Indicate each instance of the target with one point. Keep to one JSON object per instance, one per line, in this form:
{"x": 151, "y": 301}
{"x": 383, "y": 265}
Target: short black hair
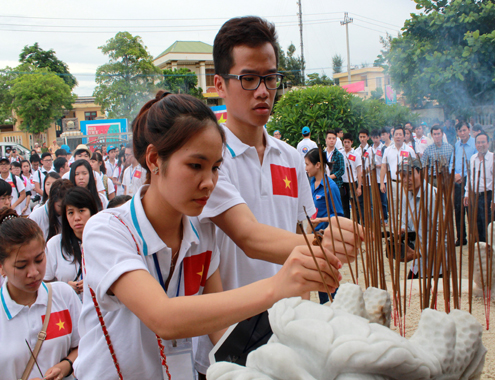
{"x": 375, "y": 133}
{"x": 436, "y": 127}
{"x": 60, "y": 153}
{"x": 16, "y": 164}
{"x": 34, "y": 158}
{"x": 400, "y": 127}
{"x": 79, "y": 151}
{"x": 477, "y": 127}
{"x": 59, "y": 163}
{"x": 332, "y": 131}
{"x": 461, "y": 124}
{"x": 249, "y": 31}
{"x": 348, "y": 136}
{"x": 46, "y": 154}
{"x": 385, "y": 130}
{"x": 364, "y": 131}
{"x": 483, "y": 133}
{"x": 5, "y": 188}
{"x": 338, "y": 130}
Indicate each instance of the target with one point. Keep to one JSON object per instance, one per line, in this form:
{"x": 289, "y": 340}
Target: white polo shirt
{"x": 19, "y": 323}
{"x": 110, "y": 167}
{"x": 39, "y": 176}
{"x": 135, "y": 345}
{"x": 20, "y": 188}
{"x": 352, "y": 161}
{"x": 134, "y": 178}
{"x": 28, "y": 186}
{"x": 40, "y": 216}
{"x": 274, "y": 191}
{"x": 394, "y": 156}
{"x": 421, "y": 144}
{"x": 305, "y": 145}
{"x": 478, "y": 169}
{"x": 57, "y": 266}
{"x": 377, "y": 156}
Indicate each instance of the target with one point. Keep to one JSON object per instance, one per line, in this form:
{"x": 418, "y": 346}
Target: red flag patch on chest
{"x": 379, "y": 153}
{"x": 137, "y": 174}
{"x": 196, "y": 272}
{"x": 60, "y": 324}
{"x": 351, "y": 157}
{"x": 284, "y": 181}
{"x": 404, "y": 153}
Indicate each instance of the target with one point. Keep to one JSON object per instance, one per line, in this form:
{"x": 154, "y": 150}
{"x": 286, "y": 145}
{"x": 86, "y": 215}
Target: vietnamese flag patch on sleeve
{"x": 196, "y": 272}
{"x": 404, "y": 153}
{"x": 351, "y": 157}
{"x": 60, "y": 324}
{"x": 284, "y": 181}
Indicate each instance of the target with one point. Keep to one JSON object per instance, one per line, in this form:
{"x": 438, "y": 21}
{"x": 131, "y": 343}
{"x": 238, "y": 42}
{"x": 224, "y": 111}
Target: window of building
{"x": 365, "y": 79}
{"x": 378, "y": 82}
{"x": 210, "y": 73}
{"x": 90, "y": 115}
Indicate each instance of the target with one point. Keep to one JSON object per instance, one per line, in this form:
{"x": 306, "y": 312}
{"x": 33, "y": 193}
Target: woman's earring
{"x": 155, "y": 171}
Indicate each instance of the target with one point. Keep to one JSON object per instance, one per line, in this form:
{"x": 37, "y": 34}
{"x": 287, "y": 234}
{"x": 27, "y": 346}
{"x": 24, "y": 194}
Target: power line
{"x": 375, "y": 30}
{"x": 381, "y": 22}
{"x": 152, "y": 19}
{"x": 381, "y": 26}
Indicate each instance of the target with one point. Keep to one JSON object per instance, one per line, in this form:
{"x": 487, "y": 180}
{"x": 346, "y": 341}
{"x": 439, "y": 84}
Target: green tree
{"x": 325, "y": 107}
{"x": 40, "y": 58}
{"x": 337, "y": 63}
{"x": 7, "y": 75}
{"x": 39, "y": 99}
{"x": 377, "y": 94}
{"x": 446, "y": 54}
{"x": 314, "y": 79}
{"x": 128, "y": 80}
{"x": 181, "y": 81}
{"x": 291, "y": 66}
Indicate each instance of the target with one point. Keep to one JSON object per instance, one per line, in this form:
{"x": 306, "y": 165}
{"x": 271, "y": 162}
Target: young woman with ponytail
{"x": 142, "y": 258}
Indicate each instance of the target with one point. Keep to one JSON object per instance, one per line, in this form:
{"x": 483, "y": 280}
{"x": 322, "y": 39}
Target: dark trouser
{"x": 361, "y": 203}
{"x": 346, "y": 194}
{"x": 458, "y": 199}
{"x": 481, "y": 220}
{"x": 383, "y": 199}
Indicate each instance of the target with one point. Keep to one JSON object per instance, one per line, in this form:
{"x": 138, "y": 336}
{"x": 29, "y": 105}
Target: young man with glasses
{"x": 39, "y": 176}
{"x": 262, "y": 181}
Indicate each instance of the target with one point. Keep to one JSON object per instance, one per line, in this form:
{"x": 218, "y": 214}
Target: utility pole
{"x": 346, "y": 22}
{"x": 301, "y": 33}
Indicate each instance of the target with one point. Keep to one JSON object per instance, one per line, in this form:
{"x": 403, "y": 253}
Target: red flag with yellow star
{"x": 196, "y": 272}
{"x": 284, "y": 180}
{"x": 60, "y": 324}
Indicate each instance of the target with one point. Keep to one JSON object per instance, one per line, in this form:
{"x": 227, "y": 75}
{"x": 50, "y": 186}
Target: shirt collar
{"x": 236, "y": 147}
{"x": 150, "y": 239}
{"x": 12, "y": 308}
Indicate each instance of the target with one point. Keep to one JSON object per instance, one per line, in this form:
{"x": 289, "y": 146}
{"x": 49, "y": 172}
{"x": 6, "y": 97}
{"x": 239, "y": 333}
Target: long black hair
{"x": 45, "y": 194}
{"x": 57, "y": 193}
{"x": 91, "y": 184}
{"x": 78, "y": 197}
{"x": 99, "y": 158}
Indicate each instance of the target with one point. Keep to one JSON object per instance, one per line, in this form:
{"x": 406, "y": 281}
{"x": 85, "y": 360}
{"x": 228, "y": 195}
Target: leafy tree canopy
{"x": 326, "y": 107}
{"x": 40, "y": 58}
{"x": 314, "y": 79}
{"x": 337, "y": 63}
{"x": 127, "y": 81}
{"x": 181, "y": 81}
{"x": 291, "y": 66}
{"x": 39, "y": 99}
{"x": 446, "y": 54}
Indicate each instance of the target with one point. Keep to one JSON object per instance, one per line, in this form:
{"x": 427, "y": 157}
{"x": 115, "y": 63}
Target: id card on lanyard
{"x": 179, "y": 353}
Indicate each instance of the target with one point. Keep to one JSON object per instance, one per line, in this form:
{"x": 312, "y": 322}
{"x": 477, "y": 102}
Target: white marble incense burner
{"x": 350, "y": 340}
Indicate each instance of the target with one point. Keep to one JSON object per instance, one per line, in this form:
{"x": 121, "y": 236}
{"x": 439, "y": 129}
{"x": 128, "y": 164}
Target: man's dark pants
{"x": 458, "y": 199}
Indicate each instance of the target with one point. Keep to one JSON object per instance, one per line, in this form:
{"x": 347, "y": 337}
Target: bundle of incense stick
{"x": 430, "y": 213}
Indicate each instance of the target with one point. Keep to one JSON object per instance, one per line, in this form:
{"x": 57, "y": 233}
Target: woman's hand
{"x": 77, "y": 286}
{"x": 300, "y": 274}
{"x": 57, "y": 372}
{"x": 349, "y": 238}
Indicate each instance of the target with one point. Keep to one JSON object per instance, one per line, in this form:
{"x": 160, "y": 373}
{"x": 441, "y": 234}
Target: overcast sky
{"x": 74, "y": 30}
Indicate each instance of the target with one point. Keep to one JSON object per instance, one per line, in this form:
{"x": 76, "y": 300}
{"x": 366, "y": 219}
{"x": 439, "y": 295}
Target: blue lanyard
{"x": 132, "y": 172}
{"x": 145, "y": 250}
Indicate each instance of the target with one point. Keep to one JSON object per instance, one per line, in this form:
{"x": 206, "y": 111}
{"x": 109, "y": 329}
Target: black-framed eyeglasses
{"x": 251, "y": 82}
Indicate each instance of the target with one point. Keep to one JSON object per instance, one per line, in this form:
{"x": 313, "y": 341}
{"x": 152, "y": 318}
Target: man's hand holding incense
{"x": 343, "y": 242}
